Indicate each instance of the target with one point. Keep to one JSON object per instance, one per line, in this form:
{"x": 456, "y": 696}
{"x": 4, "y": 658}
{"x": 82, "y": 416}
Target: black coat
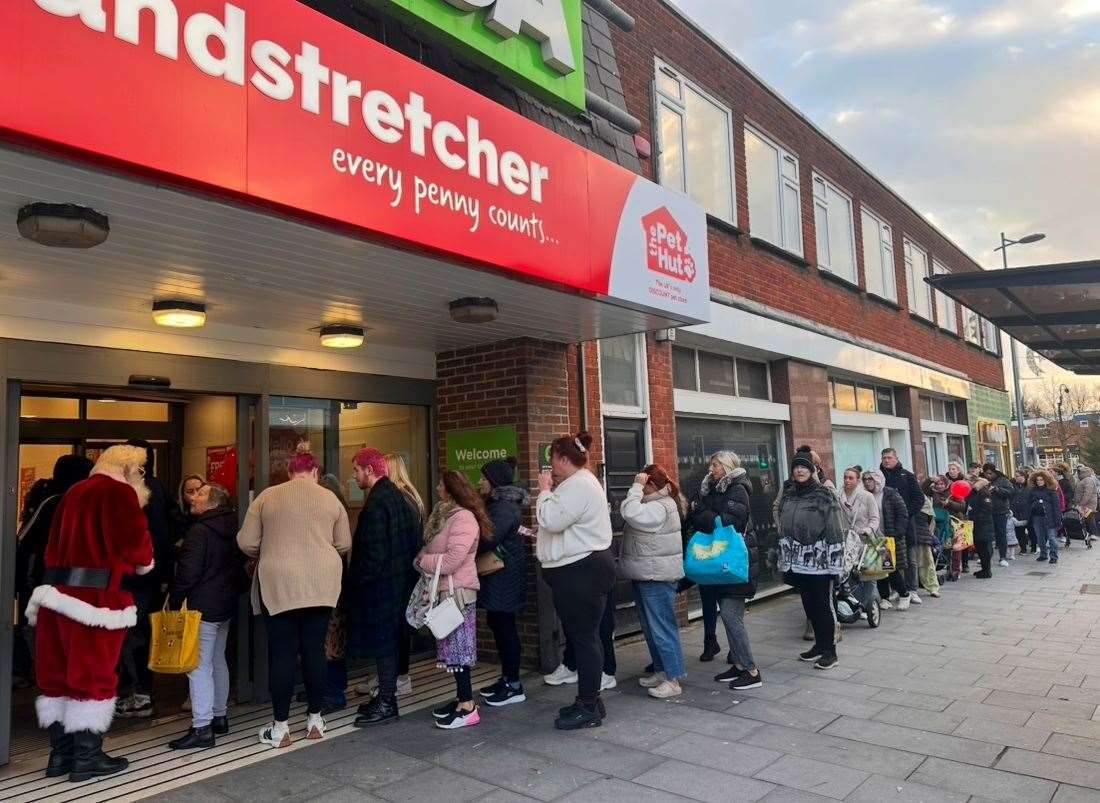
{"x": 905, "y": 483}
{"x": 381, "y": 574}
{"x": 1019, "y": 504}
{"x": 503, "y": 590}
{"x": 1002, "y": 491}
{"x": 210, "y": 567}
{"x": 980, "y": 510}
{"x": 30, "y": 554}
{"x": 733, "y": 507}
{"x": 1043, "y": 503}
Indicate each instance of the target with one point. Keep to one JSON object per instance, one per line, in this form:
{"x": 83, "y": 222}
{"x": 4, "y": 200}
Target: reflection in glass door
{"x": 293, "y": 421}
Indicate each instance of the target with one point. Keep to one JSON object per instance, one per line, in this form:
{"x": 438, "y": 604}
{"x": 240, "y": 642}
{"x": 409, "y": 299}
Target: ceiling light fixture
{"x": 342, "y": 336}
{"x": 63, "y": 225}
{"x": 179, "y": 314}
{"x": 474, "y": 310}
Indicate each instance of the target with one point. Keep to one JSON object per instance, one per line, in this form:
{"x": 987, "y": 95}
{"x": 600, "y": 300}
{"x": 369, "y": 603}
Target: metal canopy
{"x": 1052, "y": 309}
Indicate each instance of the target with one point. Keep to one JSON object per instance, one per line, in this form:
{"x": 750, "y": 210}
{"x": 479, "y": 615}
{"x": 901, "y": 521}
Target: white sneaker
{"x": 903, "y": 604}
{"x": 651, "y": 681}
{"x": 560, "y": 676}
{"x": 885, "y": 604}
{"x": 315, "y": 727}
{"x": 607, "y": 682}
{"x": 276, "y": 734}
{"x": 894, "y": 596}
{"x": 368, "y": 689}
{"x": 914, "y": 597}
{"x": 1004, "y": 563}
{"x": 404, "y": 686}
{"x": 668, "y": 688}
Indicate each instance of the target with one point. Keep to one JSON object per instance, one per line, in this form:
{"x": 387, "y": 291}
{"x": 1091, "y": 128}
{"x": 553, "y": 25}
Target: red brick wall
{"x": 739, "y": 267}
{"x": 805, "y": 388}
{"x": 662, "y": 418}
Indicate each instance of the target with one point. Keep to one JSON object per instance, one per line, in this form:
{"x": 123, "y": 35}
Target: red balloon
{"x": 960, "y": 489}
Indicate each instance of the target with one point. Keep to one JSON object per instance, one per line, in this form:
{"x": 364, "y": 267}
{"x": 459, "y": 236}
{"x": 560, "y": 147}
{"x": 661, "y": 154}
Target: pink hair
{"x": 373, "y": 459}
{"x": 303, "y": 461}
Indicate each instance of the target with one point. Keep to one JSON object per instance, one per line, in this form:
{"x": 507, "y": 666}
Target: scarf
{"x": 438, "y": 520}
{"x": 722, "y": 485}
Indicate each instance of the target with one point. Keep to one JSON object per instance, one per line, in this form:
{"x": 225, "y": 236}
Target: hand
{"x": 529, "y": 532}
{"x": 641, "y": 478}
{"x": 546, "y": 481}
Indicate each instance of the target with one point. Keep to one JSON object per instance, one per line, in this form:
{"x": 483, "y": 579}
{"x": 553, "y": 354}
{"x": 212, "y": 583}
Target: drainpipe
{"x": 582, "y": 386}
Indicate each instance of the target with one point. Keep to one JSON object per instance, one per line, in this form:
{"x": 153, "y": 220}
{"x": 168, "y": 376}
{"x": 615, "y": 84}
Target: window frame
{"x": 988, "y": 328}
{"x": 968, "y": 313}
{"x": 783, "y": 182}
{"x": 679, "y": 107}
{"x": 886, "y": 254}
{"x": 641, "y": 374}
{"x": 914, "y": 284}
{"x": 944, "y": 304}
{"x": 736, "y": 379}
{"x": 816, "y": 177}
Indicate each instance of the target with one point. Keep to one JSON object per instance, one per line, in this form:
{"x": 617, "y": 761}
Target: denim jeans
{"x": 657, "y": 616}
{"x": 732, "y": 611}
{"x": 209, "y": 681}
{"x": 1047, "y": 537}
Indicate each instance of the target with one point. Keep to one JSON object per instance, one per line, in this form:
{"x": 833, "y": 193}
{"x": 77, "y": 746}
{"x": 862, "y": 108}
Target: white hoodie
{"x": 573, "y": 521}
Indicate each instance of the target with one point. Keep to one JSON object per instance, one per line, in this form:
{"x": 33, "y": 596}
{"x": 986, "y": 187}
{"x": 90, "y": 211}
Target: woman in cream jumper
{"x": 574, "y": 548}
{"x": 297, "y": 531}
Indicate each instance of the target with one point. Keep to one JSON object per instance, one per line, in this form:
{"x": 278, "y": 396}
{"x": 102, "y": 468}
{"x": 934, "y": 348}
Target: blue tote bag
{"x": 717, "y": 558}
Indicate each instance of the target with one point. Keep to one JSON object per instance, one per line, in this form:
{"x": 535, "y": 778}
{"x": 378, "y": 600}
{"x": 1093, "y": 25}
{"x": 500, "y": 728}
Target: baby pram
{"x": 1075, "y": 528}
{"x": 854, "y": 599}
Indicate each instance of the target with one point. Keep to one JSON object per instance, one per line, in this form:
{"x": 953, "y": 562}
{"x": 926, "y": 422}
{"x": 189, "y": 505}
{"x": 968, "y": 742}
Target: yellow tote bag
{"x": 174, "y": 648}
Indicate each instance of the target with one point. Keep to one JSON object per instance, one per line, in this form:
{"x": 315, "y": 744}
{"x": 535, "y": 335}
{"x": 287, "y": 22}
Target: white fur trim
{"x": 78, "y": 610}
{"x": 50, "y": 710}
{"x": 146, "y": 569}
{"x": 89, "y": 715}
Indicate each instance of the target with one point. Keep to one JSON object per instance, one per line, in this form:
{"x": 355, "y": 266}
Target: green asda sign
{"x": 534, "y": 43}
{"x": 469, "y": 449}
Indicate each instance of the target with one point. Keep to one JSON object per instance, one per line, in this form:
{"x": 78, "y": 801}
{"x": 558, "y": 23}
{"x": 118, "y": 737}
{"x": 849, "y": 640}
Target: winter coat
{"x": 453, "y": 551}
{"x": 1084, "y": 495}
{"x": 1042, "y": 503}
{"x": 980, "y": 511}
{"x": 1002, "y": 491}
{"x": 30, "y": 554}
{"x": 210, "y": 567}
{"x": 1066, "y": 489}
{"x": 811, "y": 534}
{"x": 574, "y": 521}
{"x": 381, "y": 573}
{"x": 1019, "y": 504}
{"x": 652, "y": 547}
{"x": 926, "y": 528}
{"x": 894, "y": 520}
{"x": 502, "y": 591}
{"x": 905, "y": 483}
{"x": 860, "y": 512}
{"x": 729, "y": 501}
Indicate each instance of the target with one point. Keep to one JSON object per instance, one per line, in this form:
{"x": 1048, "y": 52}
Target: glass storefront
{"x": 757, "y": 446}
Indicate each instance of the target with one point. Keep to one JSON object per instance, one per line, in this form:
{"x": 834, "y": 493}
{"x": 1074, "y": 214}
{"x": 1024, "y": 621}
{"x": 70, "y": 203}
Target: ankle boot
{"x": 61, "y": 752}
{"x": 89, "y": 760}
{"x": 194, "y": 738}
{"x": 710, "y": 648}
{"x": 220, "y": 726}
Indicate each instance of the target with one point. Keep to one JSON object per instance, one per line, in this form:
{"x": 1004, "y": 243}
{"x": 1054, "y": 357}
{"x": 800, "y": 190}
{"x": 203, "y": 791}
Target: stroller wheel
{"x": 874, "y": 615}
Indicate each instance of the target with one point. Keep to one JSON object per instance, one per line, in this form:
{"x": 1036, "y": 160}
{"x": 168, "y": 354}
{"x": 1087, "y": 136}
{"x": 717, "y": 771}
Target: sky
{"x": 983, "y": 114}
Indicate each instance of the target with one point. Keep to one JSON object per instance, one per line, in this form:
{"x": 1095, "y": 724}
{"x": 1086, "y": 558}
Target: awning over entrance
{"x": 1052, "y": 309}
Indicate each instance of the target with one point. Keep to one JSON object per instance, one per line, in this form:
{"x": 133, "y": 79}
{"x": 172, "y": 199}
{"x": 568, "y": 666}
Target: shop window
{"x": 945, "y": 306}
{"x": 844, "y": 396}
{"x": 916, "y": 271}
{"x": 926, "y": 408}
{"x": 865, "y": 399}
{"x": 684, "y": 373}
{"x": 951, "y": 415}
{"x": 695, "y": 143}
{"x": 972, "y": 326}
{"x": 884, "y": 398}
{"x": 775, "y": 198}
{"x": 835, "y": 230}
{"x": 49, "y": 407}
{"x": 620, "y": 368}
{"x": 956, "y": 449}
{"x": 855, "y": 397}
{"x": 112, "y": 410}
{"x": 878, "y": 256}
{"x": 752, "y": 380}
{"x": 716, "y": 374}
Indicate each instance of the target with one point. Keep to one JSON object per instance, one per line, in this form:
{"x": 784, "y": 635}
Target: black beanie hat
{"x": 803, "y": 459}
{"x": 500, "y": 472}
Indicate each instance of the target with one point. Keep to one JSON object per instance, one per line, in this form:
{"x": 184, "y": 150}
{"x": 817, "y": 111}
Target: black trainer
{"x": 508, "y": 694}
{"x": 445, "y": 710}
{"x": 377, "y": 712}
{"x": 811, "y": 654}
{"x": 489, "y": 691}
{"x": 746, "y": 680}
{"x": 578, "y": 716}
{"x": 826, "y": 662}
{"x": 599, "y": 705}
{"x": 730, "y": 674}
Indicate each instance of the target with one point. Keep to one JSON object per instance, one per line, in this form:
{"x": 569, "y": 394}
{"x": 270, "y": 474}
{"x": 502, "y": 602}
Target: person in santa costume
{"x": 99, "y": 536}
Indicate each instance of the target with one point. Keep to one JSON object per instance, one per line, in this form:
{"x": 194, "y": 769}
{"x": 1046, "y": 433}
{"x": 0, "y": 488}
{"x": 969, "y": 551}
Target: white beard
{"x": 141, "y": 489}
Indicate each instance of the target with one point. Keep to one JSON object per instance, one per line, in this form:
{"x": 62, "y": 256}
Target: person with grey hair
{"x": 209, "y": 579}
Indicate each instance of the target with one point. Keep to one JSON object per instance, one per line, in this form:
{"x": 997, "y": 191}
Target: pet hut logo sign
{"x": 271, "y": 102}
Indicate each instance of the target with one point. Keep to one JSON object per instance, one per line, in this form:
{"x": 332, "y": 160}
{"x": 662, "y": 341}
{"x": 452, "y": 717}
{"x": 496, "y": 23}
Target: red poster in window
{"x": 221, "y": 467}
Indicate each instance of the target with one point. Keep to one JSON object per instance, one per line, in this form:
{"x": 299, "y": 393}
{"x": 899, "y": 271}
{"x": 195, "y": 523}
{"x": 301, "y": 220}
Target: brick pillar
{"x": 805, "y": 388}
{"x": 662, "y": 416}
{"x": 522, "y": 383}
{"x": 908, "y": 407}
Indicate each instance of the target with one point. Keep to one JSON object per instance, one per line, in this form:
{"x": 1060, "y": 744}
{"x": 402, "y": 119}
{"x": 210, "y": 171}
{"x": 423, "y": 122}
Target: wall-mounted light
{"x": 179, "y": 314}
{"x": 342, "y": 336}
{"x": 63, "y": 225}
{"x": 474, "y": 310}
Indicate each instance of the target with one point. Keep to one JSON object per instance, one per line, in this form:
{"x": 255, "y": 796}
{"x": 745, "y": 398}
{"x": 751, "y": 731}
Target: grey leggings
{"x": 732, "y": 611}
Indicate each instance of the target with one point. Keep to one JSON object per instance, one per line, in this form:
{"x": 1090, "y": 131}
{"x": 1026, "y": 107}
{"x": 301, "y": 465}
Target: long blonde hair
{"x": 399, "y": 475}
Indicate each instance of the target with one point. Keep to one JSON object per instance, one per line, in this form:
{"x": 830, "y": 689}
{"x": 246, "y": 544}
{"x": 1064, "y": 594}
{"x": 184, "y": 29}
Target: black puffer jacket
{"x": 210, "y": 567}
{"x": 980, "y": 511}
{"x": 733, "y": 506}
{"x": 502, "y": 591}
{"x": 905, "y": 483}
{"x": 1019, "y": 505}
{"x": 1002, "y": 491}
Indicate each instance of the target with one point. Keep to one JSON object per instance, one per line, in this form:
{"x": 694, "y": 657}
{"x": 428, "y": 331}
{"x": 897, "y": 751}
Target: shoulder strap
{"x": 26, "y": 528}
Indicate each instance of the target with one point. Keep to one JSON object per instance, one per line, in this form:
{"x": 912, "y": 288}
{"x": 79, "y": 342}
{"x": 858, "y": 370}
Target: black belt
{"x": 77, "y": 578}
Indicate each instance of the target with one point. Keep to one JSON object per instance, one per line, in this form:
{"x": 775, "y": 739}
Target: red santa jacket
{"x": 98, "y": 525}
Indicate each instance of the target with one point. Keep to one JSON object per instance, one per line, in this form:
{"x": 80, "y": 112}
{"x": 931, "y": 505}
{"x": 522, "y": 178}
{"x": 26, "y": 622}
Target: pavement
{"x": 989, "y": 693}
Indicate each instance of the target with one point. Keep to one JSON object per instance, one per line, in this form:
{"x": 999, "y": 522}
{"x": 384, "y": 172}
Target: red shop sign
{"x": 271, "y": 101}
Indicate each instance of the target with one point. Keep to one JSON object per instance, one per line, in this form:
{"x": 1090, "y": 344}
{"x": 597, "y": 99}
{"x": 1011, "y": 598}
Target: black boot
{"x": 579, "y": 715}
{"x": 194, "y": 738}
{"x": 377, "y": 712}
{"x": 89, "y": 760}
{"x": 61, "y": 752}
{"x": 577, "y": 701}
{"x": 220, "y": 725}
{"x": 710, "y": 648}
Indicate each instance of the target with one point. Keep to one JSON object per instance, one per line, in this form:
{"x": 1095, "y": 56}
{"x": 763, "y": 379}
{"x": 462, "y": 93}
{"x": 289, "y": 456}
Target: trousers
{"x": 656, "y": 603}
{"x": 294, "y": 636}
{"x": 506, "y": 636}
{"x": 816, "y": 591}
{"x": 209, "y": 681}
{"x": 607, "y": 642}
{"x": 582, "y": 593}
{"x": 732, "y": 611}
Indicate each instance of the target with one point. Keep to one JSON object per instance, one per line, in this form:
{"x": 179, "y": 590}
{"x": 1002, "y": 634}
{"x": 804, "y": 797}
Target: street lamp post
{"x": 1006, "y": 243}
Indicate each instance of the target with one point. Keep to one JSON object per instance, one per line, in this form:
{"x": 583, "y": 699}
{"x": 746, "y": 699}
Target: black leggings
{"x": 506, "y": 636}
{"x": 1000, "y": 535}
{"x": 816, "y": 591}
{"x": 464, "y": 690}
{"x": 1023, "y": 536}
{"x": 985, "y": 554}
{"x": 895, "y": 581}
{"x": 294, "y": 635}
{"x": 607, "y": 641}
{"x": 581, "y": 592}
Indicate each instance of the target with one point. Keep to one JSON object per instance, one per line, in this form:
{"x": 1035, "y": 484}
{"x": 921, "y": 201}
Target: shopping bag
{"x": 174, "y": 645}
{"x": 879, "y": 558}
{"x": 443, "y": 618}
{"x": 488, "y": 563}
{"x": 717, "y": 558}
{"x": 964, "y": 534}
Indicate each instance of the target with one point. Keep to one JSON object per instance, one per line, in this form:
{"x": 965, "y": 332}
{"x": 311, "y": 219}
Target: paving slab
{"x": 1074, "y": 794}
{"x": 1056, "y": 768}
{"x": 706, "y": 751}
{"x": 1061, "y": 744}
{"x": 703, "y": 783}
{"x": 836, "y": 750}
{"x": 271, "y": 780}
{"x": 916, "y": 741}
{"x": 1002, "y": 733}
{"x": 989, "y": 784}
{"x": 781, "y": 714}
{"x": 929, "y": 702}
{"x": 832, "y": 703}
{"x": 604, "y": 757}
{"x": 519, "y": 771}
{"x": 818, "y": 777}
{"x": 996, "y": 713}
{"x": 937, "y": 721}
{"x": 1048, "y": 705}
{"x": 880, "y": 789}
{"x": 611, "y": 790}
